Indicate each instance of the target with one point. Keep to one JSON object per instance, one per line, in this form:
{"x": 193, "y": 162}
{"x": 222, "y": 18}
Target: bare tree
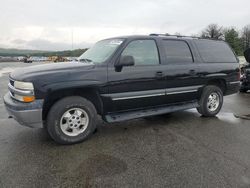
{"x": 213, "y": 31}
{"x": 246, "y": 37}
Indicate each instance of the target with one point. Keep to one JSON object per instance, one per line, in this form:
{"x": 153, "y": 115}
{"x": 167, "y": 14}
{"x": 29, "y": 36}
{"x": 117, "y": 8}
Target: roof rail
{"x": 177, "y": 36}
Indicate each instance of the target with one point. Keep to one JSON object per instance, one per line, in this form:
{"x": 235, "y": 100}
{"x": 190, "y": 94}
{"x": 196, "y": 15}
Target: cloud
{"x": 41, "y": 44}
{"x": 18, "y": 41}
{"x": 54, "y": 21}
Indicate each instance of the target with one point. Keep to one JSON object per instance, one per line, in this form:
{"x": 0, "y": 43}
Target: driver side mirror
{"x": 125, "y": 61}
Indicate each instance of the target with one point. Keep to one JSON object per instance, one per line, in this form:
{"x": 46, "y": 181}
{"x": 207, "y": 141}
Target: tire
{"x": 211, "y": 101}
{"x": 71, "y": 120}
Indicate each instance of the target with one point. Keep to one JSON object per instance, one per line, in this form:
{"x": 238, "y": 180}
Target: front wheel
{"x": 71, "y": 120}
{"x": 211, "y": 101}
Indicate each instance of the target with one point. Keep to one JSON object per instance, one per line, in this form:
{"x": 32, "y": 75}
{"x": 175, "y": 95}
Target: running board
{"x": 123, "y": 116}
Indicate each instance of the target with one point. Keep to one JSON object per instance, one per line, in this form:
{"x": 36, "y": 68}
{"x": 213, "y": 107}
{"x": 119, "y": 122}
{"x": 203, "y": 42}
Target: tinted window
{"x": 144, "y": 52}
{"x": 215, "y": 51}
{"x": 177, "y": 51}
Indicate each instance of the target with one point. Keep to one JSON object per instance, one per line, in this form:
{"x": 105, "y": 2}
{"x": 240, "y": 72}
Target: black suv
{"x": 245, "y": 79}
{"x": 121, "y": 79}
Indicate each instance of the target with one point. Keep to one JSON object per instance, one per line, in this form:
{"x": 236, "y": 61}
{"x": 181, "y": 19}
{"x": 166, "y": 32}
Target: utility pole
{"x": 72, "y": 39}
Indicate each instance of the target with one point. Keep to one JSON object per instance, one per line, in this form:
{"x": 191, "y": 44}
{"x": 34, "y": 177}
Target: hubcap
{"x": 213, "y": 102}
{"x": 74, "y": 122}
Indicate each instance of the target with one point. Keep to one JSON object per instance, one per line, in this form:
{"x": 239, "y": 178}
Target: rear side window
{"x": 177, "y": 51}
{"x": 215, "y": 51}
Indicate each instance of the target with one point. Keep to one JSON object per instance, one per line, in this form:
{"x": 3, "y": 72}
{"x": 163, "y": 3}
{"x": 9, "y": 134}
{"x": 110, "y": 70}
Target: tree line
{"x": 66, "y": 53}
{"x": 238, "y": 39}
{"x": 16, "y": 52}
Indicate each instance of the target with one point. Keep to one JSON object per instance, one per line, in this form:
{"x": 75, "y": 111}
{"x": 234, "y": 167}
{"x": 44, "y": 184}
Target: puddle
{"x": 247, "y": 117}
{"x": 223, "y": 116}
{"x": 232, "y": 118}
{"x": 245, "y": 180}
{"x": 228, "y": 117}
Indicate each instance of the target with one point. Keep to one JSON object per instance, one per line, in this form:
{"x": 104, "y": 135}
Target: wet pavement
{"x": 181, "y": 149}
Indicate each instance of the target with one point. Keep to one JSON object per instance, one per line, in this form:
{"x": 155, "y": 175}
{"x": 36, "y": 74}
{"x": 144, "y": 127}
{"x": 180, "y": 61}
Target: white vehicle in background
{"x": 27, "y": 59}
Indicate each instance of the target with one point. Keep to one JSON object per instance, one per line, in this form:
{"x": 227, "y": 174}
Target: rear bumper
{"x": 245, "y": 84}
{"x": 27, "y": 114}
{"x": 232, "y": 87}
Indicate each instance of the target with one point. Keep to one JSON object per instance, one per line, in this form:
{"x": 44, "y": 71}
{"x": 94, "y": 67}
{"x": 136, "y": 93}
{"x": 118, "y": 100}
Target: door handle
{"x": 159, "y": 74}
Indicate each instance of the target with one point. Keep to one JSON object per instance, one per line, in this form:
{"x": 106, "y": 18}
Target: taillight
{"x": 238, "y": 75}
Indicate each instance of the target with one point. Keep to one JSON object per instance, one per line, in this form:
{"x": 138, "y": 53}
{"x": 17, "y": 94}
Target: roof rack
{"x": 177, "y": 36}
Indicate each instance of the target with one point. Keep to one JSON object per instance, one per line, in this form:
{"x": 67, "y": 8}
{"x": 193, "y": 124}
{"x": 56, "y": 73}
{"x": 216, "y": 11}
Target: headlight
{"x": 23, "y": 85}
{"x": 22, "y": 91}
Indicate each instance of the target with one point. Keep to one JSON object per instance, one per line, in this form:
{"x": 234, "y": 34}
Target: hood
{"x": 23, "y": 74}
{"x": 247, "y": 55}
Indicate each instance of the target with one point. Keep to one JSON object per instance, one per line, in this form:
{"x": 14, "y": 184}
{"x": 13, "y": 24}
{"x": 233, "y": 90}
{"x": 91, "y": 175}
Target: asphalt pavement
{"x": 181, "y": 149}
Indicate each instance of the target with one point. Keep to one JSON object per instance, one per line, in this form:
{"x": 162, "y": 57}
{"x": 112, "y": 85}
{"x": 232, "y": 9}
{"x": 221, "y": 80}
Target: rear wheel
{"x": 211, "y": 101}
{"x": 71, "y": 120}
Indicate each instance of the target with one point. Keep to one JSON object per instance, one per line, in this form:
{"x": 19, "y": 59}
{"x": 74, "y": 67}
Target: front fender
{"x": 72, "y": 85}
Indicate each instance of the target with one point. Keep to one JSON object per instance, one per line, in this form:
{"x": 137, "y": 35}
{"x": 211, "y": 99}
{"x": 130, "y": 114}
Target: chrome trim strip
{"x": 135, "y": 94}
{"x": 152, "y": 93}
{"x": 11, "y": 79}
{"x": 19, "y": 92}
{"x": 136, "y": 97}
{"x": 180, "y": 89}
{"x": 11, "y": 95}
{"x": 237, "y": 82}
{"x": 180, "y": 92}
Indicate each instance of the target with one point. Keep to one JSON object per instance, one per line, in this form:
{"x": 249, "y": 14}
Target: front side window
{"x": 144, "y": 52}
{"x": 101, "y": 51}
{"x": 177, "y": 51}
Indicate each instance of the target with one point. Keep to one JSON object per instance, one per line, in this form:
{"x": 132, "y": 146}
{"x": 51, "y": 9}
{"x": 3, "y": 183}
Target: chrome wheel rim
{"x": 213, "y": 102}
{"x": 74, "y": 122}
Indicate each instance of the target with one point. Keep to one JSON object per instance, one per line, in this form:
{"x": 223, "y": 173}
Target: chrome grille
{"x": 12, "y": 82}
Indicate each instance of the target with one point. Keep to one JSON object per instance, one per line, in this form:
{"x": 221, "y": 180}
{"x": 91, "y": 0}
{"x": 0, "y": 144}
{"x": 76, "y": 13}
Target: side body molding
{"x": 152, "y": 93}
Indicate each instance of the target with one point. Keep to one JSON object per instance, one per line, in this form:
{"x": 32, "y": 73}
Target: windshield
{"x": 101, "y": 51}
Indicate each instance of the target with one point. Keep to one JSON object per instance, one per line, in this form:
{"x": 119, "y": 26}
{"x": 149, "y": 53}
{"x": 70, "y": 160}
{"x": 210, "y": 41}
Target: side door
{"x": 181, "y": 70}
{"x": 138, "y": 86}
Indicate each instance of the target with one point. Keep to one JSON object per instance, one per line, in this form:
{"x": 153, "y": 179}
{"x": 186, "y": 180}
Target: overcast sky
{"x": 49, "y": 24}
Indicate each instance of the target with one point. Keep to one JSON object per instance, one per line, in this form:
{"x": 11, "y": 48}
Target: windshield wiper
{"x": 85, "y": 60}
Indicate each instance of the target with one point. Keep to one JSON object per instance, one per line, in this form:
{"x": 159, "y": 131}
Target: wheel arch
{"x": 219, "y": 82}
{"x": 89, "y": 93}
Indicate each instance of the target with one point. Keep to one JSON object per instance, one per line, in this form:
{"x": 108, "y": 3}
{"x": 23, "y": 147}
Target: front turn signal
{"x": 28, "y": 98}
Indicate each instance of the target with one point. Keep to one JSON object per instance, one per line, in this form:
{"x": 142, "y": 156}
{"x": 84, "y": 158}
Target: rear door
{"x": 138, "y": 86}
{"x": 181, "y": 71}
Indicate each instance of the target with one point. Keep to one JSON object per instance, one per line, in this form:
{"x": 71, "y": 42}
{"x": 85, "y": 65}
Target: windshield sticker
{"x": 115, "y": 42}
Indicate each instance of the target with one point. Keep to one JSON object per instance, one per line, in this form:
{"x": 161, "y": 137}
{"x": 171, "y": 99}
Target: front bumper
{"x": 27, "y": 114}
